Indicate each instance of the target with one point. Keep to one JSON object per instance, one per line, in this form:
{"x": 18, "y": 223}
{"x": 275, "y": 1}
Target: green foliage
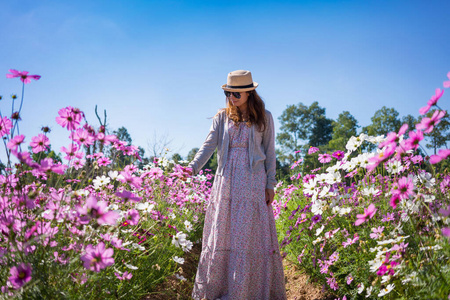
{"x": 384, "y": 121}
{"x": 343, "y": 129}
{"x": 301, "y": 125}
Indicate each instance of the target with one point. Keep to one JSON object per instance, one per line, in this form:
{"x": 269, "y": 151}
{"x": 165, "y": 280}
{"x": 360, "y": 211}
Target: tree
{"x": 384, "y": 121}
{"x": 212, "y": 162}
{"x": 117, "y": 156}
{"x": 176, "y": 157}
{"x": 301, "y": 126}
{"x": 440, "y": 135}
{"x": 158, "y": 144}
{"x": 411, "y": 121}
{"x": 343, "y": 129}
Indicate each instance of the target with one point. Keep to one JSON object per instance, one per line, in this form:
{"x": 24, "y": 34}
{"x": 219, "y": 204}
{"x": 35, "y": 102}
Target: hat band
{"x": 240, "y": 86}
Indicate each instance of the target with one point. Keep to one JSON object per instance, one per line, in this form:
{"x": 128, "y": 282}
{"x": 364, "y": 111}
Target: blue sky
{"x": 157, "y": 66}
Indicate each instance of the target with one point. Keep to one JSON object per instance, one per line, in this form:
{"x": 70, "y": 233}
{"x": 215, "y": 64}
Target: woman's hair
{"x": 256, "y": 111}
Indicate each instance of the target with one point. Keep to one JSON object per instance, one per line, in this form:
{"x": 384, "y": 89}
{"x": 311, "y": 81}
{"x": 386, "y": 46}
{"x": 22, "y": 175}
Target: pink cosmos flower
{"x": 77, "y": 164}
{"x": 127, "y": 177}
{"x": 126, "y": 195}
{"x": 106, "y": 139}
{"x": 5, "y": 126}
{"x": 69, "y": 117}
{"x": 312, "y": 150}
{"x": 442, "y": 154}
{"x": 24, "y": 77}
{"x": 376, "y": 232}
{"x": 350, "y": 241}
{"x": 414, "y": 138}
{"x": 338, "y": 154}
{"x": 325, "y": 158}
{"x": 103, "y": 161}
{"x": 395, "y": 199}
{"x": 349, "y": 278}
{"x": 434, "y": 99}
{"x": 381, "y": 157}
{"x": 132, "y": 217}
{"x": 296, "y": 163}
{"x": 368, "y": 214}
{"x": 332, "y": 283}
{"x": 82, "y": 137}
{"x": 427, "y": 124}
{"x": 97, "y": 258}
{"x": 98, "y": 210}
{"x": 14, "y": 143}
{"x": 20, "y": 275}
{"x": 403, "y": 188}
{"x": 447, "y": 83}
{"x": 71, "y": 152}
{"x": 446, "y": 232}
{"x": 39, "y": 143}
{"x": 124, "y": 276}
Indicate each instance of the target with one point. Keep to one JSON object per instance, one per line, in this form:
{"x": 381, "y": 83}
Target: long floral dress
{"x": 240, "y": 256}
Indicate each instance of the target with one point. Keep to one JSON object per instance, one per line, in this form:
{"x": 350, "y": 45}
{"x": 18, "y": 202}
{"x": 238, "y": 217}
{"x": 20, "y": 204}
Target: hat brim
{"x": 225, "y": 88}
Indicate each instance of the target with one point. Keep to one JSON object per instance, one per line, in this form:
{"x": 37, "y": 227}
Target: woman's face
{"x": 241, "y": 103}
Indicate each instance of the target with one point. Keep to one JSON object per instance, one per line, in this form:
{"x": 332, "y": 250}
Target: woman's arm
{"x": 269, "y": 149}
{"x": 208, "y": 147}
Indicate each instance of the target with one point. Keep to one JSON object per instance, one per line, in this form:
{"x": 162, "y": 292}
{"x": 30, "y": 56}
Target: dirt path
{"x": 297, "y": 286}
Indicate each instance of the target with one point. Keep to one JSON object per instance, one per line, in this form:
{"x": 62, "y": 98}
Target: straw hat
{"x": 240, "y": 81}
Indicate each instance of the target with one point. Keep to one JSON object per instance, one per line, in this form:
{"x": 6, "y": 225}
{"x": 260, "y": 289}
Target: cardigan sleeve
{"x": 208, "y": 147}
{"x": 269, "y": 149}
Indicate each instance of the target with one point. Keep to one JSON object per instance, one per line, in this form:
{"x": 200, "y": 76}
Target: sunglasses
{"x": 237, "y": 95}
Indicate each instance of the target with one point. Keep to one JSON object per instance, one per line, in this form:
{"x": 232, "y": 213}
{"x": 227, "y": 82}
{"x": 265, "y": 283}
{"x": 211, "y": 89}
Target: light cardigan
{"x": 261, "y": 147}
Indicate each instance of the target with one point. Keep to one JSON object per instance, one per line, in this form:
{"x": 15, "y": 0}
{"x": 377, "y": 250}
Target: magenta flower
{"x": 368, "y": 214}
{"x": 315, "y": 219}
{"x": 434, "y": 99}
{"x": 132, "y": 217}
{"x": 446, "y": 232}
{"x": 24, "y": 77}
{"x": 350, "y": 241}
{"x": 82, "y": 137}
{"x": 427, "y": 124}
{"x": 414, "y": 139}
{"x": 69, "y": 117}
{"x": 5, "y": 126}
{"x": 39, "y": 143}
{"x": 14, "y": 143}
{"x": 338, "y": 154}
{"x": 312, "y": 150}
{"x": 126, "y": 195}
{"x": 376, "y": 232}
{"x": 103, "y": 161}
{"x": 403, "y": 188}
{"x": 447, "y": 83}
{"x": 124, "y": 276}
{"x": 442, "y": 154}
{"x": 325, "y": 158}
{"x": 72, "y": 152}
{"x": 97, "y": 258}
{"x": 20, "y": 275}
{"x": 382, "y": 156}
{"x": 127, "y": 177}
{"x": 98, "y": 210}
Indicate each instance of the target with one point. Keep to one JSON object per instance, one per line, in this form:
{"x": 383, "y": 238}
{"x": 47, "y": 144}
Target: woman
{"x": 240, "y": 256}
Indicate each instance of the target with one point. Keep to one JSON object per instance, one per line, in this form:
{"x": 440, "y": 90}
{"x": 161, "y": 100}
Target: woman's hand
{"x": 270, "y": 194}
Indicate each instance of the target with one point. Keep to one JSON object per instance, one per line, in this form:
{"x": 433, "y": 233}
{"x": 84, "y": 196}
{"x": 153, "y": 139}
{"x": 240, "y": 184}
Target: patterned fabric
{"x": 240, "y": 256}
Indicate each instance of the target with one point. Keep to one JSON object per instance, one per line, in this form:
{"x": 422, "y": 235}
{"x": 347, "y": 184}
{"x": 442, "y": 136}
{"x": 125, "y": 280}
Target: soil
{"x": 297, "y": 285}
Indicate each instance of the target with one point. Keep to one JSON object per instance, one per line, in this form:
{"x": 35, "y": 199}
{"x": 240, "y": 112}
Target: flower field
{"x": 372, "y": 222}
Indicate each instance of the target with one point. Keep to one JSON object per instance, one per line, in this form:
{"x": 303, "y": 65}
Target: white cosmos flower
{"x": 187, "y": 246}
{"x": 178, "y": 260}
{"x": 179, "y": 239}
{"x": 180, "y": 277}
{"x": 100, "y": 181}
{"x": 130, "y": 266}
{"x": 386, "y": 290}
{"x": 395, "y": 167}
{"x": 360, "y": 288}
{"x": 319, "y": 230}
{"x": 369, "y": 291}
{"x": 188, "y": 226}
{"x": 146, "y": 206}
